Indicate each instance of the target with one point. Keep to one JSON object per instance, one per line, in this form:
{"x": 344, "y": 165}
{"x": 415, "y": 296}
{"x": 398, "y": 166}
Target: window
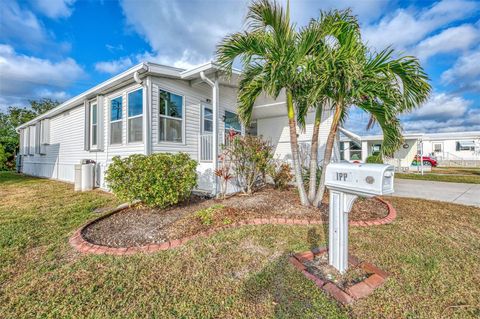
{"x": 207, "y": 123}
{"x": 170, "y": 117}
{"x": 376, "y": 148}
{"x": 465, "y": 146}
{"x": 93, "y": 124}
{"x": 116, "y": 120}
{"x": 437, "y": 147}
{"x": 355, "y": 151}
{"x": 342, "y": 150}
{"x": 232, "y": 123}
{"x": 135, "y": 116}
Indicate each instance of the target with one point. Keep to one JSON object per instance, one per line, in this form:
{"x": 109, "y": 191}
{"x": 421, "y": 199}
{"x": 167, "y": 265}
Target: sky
{"x": 60, "y": 48}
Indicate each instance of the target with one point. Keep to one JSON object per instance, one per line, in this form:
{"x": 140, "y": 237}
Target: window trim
{"x": 127, "y": 126}
{"x": 224, "y": 118}
{"x": 459, "y": 145}
{"x": 202, "y": 119}
{"x": 441, "y": 147}
{"x": 183, "y": 119}
{"x": 110, "y": 98}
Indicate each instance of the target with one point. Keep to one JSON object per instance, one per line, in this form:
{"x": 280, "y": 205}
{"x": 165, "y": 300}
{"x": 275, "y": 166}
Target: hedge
{"x": 158, "y": 180}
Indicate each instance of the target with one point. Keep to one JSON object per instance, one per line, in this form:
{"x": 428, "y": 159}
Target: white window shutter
{"x": 31, "y": 138}
{"x": 38, "y": 129}
{"x": 100, "y": 122}
{"x": 86, "y": 142}
{"x": 21, "y": 143}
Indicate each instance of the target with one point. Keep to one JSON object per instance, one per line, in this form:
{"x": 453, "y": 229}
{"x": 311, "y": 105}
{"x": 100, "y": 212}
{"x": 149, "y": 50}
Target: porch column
{"x": 215, "y": 98}
{"x": 147, "y": 115}
{"x": 346, "y": 151}
{"x": 364, "y": 150}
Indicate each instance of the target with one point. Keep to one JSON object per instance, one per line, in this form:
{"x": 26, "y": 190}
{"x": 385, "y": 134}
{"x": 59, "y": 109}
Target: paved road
{"x": 460, "y": 193}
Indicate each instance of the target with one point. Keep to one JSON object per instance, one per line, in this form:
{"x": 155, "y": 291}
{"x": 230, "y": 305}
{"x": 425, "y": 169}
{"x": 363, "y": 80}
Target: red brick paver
{"x": 80, "y": 244}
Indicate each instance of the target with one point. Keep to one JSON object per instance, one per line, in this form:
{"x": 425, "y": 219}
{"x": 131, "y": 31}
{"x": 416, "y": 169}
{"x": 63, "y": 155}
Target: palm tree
{"x": 335, "y": 28}
{"x": 272, "y": 54}
{"x": 377, "y": 83}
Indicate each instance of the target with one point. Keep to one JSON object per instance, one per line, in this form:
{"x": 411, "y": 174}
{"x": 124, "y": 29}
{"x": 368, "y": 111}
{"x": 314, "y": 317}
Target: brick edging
{"x": 344, "y": 296}
{"x": 78, "y": 242}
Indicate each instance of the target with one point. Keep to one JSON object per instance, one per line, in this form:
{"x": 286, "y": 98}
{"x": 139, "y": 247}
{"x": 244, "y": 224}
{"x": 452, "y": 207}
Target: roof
{"x": 423, "y": 136}
{"x": 143, "y": 69}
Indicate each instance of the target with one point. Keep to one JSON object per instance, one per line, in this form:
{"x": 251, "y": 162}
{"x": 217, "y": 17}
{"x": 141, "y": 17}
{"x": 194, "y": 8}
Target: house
{"x": 152, "y": 108}
{"x": 449, "y": 149}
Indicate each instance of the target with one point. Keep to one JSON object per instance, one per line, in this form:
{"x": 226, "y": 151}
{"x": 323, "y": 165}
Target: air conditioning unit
{"x": 85, "y": 175}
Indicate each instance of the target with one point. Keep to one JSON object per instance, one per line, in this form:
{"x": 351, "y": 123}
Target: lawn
{"x": 431, "y": 252}
{"x": 446, "y": 174}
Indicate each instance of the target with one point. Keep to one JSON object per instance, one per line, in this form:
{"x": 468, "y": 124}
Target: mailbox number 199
{"x": 342, "y": 176}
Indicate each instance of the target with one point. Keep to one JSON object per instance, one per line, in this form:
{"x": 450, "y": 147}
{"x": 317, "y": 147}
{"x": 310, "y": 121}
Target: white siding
{"x": 66, "y": 131}
{"x": 66, "y": 144}
{"x": 276, "y": 130}
{"x": 194, "y": 97}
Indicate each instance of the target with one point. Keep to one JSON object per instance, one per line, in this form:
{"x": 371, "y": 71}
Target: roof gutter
{"x": 351, "y": 135}
{"x": 215, "y": 96}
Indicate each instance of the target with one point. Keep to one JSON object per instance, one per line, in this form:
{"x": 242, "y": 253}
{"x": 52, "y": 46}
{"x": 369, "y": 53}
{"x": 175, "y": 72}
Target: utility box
{"x": 85, "y": 175}
{"x": 360, "y": 179}
{"x": 78, "y": 178}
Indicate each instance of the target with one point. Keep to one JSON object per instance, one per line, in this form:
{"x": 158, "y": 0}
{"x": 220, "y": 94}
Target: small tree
{"x": 249, "y": 157}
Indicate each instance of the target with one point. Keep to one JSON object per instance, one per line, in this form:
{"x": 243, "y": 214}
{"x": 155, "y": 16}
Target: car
{"x": 427, "y": 161}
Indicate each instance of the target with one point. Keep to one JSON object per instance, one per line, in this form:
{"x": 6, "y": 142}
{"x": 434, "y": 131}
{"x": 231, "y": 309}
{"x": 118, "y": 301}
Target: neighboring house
{"x": 453, "y": 148}
{"x": 147, "y": 109}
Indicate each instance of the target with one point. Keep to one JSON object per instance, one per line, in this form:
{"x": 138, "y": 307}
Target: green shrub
{"x": 250, "y": 157}
{"x": 374, "y": 159}
{"x": 281, "y": 174}
{"x": 206, "y": 215}
{"x": 160, "y": 179}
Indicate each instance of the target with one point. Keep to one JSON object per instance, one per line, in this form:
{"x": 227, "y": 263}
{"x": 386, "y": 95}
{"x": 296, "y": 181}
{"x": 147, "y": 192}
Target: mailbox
{"x": 345, "y": 182}
{"x": 360, "y": 179}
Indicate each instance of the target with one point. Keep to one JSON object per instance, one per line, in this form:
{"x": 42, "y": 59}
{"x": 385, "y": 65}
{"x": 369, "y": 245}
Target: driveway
{"x": 459, "y": 193}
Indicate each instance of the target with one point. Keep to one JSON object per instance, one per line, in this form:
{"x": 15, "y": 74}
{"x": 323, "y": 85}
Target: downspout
{"x": 146, "y": 111}
{"x": 214, "y": 86}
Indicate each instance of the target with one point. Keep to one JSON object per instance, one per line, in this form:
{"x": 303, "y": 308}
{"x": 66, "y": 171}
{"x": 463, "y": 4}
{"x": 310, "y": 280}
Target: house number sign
{"x": 342, "y": 176}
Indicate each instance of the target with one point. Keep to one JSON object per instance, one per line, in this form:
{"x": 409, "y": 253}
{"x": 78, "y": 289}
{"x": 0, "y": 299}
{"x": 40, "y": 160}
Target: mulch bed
{"x": 138, "y": 226}
{"x": 320, "y": 268}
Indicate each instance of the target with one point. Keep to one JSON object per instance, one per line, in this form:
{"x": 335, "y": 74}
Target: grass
{"x": 474, "y": 171}
{"x": 446, "y": 174}
{"x": 431, "y": 252}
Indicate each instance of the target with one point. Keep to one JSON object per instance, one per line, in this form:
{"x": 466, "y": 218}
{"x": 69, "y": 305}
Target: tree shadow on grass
{"x": 290, "y": 293}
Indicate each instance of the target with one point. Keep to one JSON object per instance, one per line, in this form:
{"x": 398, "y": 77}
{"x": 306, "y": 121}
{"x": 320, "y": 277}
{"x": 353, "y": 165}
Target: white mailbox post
{"x": 346, "y": 182}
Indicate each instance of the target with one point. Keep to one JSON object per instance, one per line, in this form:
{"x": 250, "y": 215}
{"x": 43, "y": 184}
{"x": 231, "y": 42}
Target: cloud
{"x": 55, "y": 8}
{"x": 449, "y": 40}
{"x": 441, "y": 106}
{"x": 182, "y": 61}
{"x": 443, "y": 113}
{"x": 182, "y": 29}
{"x": 465, "y": 73}
{"x": 25, "y": 77}
{"x": 20, "y": 26}
{"x": 366, "y": 10}
{"x": 406, "y": 27}
{"x": 115, "y": 66}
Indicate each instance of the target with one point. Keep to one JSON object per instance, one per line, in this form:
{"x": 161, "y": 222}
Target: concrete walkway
{"x": 459, "y": 193}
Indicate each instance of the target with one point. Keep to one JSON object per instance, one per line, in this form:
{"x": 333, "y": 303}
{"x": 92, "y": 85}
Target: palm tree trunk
{"x": 294, "y": 146}
{"x": 328, "y": 154}
{"x": 312, "y": 183}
